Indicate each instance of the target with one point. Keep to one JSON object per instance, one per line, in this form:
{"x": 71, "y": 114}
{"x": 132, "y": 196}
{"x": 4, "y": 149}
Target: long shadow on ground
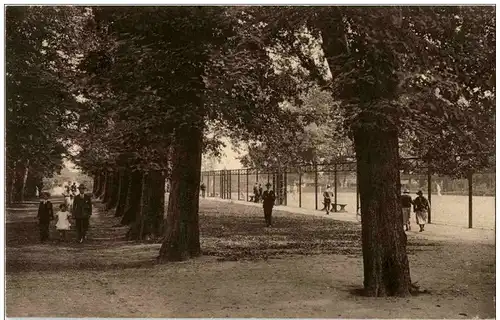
{"x": 234, "y": 232}
{"x": 228, "y": 232}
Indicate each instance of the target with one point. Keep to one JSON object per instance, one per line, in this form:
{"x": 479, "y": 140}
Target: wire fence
{"x": 467, "y": 202}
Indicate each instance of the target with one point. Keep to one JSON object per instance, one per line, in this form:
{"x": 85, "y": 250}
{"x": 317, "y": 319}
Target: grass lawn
{"x": 304, "y": 266}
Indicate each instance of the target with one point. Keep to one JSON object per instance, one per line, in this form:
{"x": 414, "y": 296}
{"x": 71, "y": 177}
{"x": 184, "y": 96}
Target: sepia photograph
{"x": 332, "y": 161}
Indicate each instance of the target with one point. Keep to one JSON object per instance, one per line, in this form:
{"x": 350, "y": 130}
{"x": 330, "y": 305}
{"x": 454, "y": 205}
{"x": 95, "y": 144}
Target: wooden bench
{"x": 341, "y": 205}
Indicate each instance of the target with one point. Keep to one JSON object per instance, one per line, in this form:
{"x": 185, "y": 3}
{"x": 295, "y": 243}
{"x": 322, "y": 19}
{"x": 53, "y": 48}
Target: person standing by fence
{"x": 421, "y": 208}
{"x": 406, "y": 203}
{"x": 327, "y": 199}
{"x": 268, "y": 198}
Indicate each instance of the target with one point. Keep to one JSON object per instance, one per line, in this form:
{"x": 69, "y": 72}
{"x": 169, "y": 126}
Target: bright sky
{"x": 228, "y": 159}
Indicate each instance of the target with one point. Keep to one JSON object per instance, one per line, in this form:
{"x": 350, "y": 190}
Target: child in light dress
{"x": 63, "y": 225}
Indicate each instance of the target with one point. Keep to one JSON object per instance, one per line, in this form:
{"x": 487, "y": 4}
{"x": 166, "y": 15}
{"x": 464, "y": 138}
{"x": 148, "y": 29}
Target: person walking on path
{"x": 202, "y": 188}
{"x": 406, "y": 203}
{"x": 82, "y": 210}
{"x": 421, "y": 208}
{"x": 63, "y": 225}
{"x": 268, "y": 198}
{"x": 44, "y": 216}
{"x": 327, "y": 199}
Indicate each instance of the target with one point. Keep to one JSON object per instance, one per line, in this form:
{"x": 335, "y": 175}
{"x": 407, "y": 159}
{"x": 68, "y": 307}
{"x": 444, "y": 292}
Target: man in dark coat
{"x": 82, "y": 210}
{"x": 406, "y": 202}
{"x": 45, "y": 215}
{"x": 268, "y": 198}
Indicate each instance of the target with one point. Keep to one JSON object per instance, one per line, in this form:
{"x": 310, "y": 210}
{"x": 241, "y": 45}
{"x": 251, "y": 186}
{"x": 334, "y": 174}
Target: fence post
{"x": 247, "y": 183}
{"x": 469, "y": 179}
{"x": 316, "y": 185}
{"x": 238, "y": 184}
{"x": 208, "y": 183}
{"x": 335, "y": 187}
{"x": 300, "y": 187}
{"x": 429, "y": 190}
{"x": 230, "y": 182}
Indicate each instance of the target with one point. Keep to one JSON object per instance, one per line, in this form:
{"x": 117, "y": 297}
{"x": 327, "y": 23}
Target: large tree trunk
{"x": 133, "y": 198}
{"x": 386, "y": 267}
{"x": 114, "y": 190}
{"x": 149, "y": 217}
{"x": 137, "y": 227}
{"x": 21, "y": 174}
{"x": 157, "y": 203}
{"x": 122, "y": 193}
{"x": 182, "y": 235}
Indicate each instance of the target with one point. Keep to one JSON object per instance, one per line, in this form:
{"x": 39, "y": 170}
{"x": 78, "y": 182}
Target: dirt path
{"x": 305, "y": 266}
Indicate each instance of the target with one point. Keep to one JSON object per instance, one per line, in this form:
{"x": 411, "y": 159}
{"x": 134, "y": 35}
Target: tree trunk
{"x": 9, "y": 185}
{"x": 386, "y": 267}
{"x": 137, "y": 228}
{"x": 105, "y": 176}
{"x": 133, "y": 198}
{"x": 122, "y": 193}
{"x": 157, "y": 203}
{"x": 114, "y": 190}
{"x": 102, "y": 182}
{"x": 21, "y": 174}
{"x": 95, "y": 183}
{"x": 182, "y": 235}
{"x": 31, "y": 183}
{"x": 108, "y": 187}
{"x": 149, "y": 218}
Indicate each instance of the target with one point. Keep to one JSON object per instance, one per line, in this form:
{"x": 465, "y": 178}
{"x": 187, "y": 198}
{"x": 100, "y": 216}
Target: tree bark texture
{"x": 386, "y": 267}
{"x": 132, "y": 202}
{"x": 122, "y": 193}
{"x": 182, "y": 235}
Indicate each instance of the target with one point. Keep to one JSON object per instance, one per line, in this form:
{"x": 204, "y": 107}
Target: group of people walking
{"x": 420, "y": 207}
{"x": 77, "y": 207}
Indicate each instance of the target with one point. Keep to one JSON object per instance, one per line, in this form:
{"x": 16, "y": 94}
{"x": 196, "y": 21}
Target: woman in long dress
{"x": 421, "y": 208}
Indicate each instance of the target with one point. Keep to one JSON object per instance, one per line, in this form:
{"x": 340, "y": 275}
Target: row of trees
{"x": 151, "y": 81}
{"x": 38, "y": 101}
